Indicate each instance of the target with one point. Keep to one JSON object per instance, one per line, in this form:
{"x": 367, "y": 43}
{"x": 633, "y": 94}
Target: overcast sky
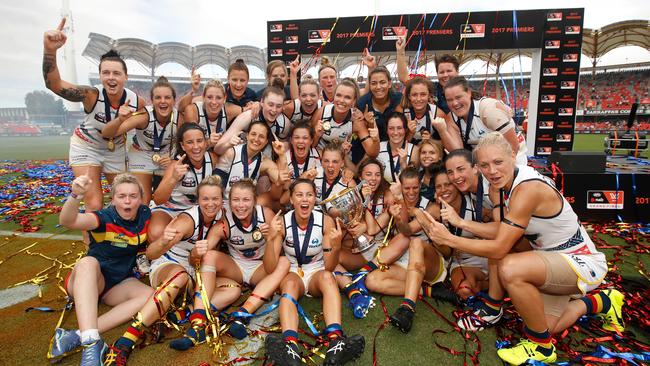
{"x": 221, "y": 22}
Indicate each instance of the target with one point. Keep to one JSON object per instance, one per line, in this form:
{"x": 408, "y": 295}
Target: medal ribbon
{"x": 253, "y": 222}
{"x": 463, "y": 208}
{"x": 201, "y": 226}
{"x": 294, "y": 163}
{"x": 196, "y": 176}
{"x": 394, "y": 167}
{"x": 468, "y": 123}
{"x": 157, "y": 139}
{"x": 301, "y": 248}
{"x": 326, "y": 192}
{"x": 107, "y": 105}
{"x": 218, "y": 121}
{"x": 245, "y": 163}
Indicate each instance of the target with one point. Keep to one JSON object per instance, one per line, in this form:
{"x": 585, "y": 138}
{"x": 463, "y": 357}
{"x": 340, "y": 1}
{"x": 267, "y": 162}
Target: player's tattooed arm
{"x": 71, "y": 92}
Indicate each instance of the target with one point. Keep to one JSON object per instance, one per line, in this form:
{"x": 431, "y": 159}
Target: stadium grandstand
{"x": 606, "y": 93}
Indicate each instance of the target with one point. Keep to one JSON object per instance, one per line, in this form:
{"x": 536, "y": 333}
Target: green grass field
{"x": 34, "y": 148}
{"x": 33, "y": 330}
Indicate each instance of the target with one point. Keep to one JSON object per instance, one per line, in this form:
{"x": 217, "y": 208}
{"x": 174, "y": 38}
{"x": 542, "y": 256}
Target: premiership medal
{"x": 327, "y": 126}
{"x": 156, "y": 158}
{"x": 111, "y": 145}
{"x": 257, "y": 235}
{"x": 300, "y": 272}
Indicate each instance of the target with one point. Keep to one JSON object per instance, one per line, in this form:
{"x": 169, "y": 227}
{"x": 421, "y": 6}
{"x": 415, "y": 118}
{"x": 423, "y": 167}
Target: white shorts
{"x": 309, "y": 270}
{"x": 403, "y": 262}
{"x": 469, "y": 261}
{"x": 166, "y": 260}
{"x": 590, "y": 269}
{"x": 141, "y": 162}
{"x": 82, "y": 154}
{"x": 247, "y": 268}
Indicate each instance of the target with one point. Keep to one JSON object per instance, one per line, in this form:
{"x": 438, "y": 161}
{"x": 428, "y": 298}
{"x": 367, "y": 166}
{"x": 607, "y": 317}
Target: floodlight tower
{"x": 70, "y": 65}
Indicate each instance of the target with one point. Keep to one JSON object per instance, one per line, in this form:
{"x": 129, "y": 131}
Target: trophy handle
{"x": 366, "y": 200}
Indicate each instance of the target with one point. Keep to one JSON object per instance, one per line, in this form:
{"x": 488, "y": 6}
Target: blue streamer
{"x": 606, "y": 353}
{"x": 270, "y": 308}
{"x": 618, "y": 215}
{"x": 505, "y": 89}
{"x": 311, "y": 326}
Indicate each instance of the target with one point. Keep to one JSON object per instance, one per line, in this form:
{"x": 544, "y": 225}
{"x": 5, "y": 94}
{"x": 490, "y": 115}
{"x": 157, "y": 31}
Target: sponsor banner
{"x": 572, "y": 29}
{"x": 554, "y": 16}
{"x": 549, "y": 71}
{"x": 392, "y": 33}
{"x": 472, "y": 31}
{"x": 605, "y": 200}
{"x": 567, "y": 84}
{"x": 291, "y": 40}
{"x": 548, "y": 98}
{"x": 552, "y": 44}
{"x": 556, "y": 32}
{"x": 565, "y": 112}
{"x": 318, "y": 35}
{"x": 546, "y": 125}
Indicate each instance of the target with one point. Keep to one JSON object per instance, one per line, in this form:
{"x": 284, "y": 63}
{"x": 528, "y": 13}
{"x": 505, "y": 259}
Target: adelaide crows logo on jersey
{"x": 100, "y": 117}
{"x": 237, "y": 240}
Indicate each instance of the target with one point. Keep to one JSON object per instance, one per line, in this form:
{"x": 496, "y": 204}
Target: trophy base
{"x": 361, "y": 244}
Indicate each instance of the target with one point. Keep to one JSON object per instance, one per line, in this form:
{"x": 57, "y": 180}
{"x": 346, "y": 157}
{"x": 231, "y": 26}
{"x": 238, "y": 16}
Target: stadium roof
{"x": 152, "y": 55}
{"x": 595, "y": 43}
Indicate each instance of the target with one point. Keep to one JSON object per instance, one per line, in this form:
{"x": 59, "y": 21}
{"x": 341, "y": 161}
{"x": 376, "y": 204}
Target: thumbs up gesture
{"x": 81, "y": 184}
{"x": 125, "y": 111}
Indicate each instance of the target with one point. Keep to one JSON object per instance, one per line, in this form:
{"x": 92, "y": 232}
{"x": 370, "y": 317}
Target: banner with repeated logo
{"x": 557, "y": 32}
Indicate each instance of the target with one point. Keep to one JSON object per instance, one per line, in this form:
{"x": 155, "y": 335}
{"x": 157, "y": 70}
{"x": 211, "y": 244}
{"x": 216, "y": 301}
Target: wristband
{"x": 364, "y": 139}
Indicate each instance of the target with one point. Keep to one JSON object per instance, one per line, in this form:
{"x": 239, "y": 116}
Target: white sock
{"x": 89, "y": 336}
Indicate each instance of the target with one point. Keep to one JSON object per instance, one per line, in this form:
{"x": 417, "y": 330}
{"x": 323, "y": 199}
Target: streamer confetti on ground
{"x": 32, "y": 189}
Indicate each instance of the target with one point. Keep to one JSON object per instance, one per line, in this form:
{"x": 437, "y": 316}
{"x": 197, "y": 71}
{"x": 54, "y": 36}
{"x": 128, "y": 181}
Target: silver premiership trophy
{"x": 349, "y": 206}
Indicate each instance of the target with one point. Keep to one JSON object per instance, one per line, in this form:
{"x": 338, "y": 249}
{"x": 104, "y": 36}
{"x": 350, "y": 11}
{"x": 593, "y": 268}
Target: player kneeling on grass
{"x": 170, "y": 270}
{"x": 564, "y": 261}
{"x": 300, "y": 234}
{"x": 106, "y": 272}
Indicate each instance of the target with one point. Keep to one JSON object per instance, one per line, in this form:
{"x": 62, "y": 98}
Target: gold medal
{"x": 300, "y": 272}
{"x": 327, "y": 126}
{"x": 335, "y": 141}
{"x": 155, "y": 158}
{"x": 111, "y": 145}
{"x": 257, "y": 235}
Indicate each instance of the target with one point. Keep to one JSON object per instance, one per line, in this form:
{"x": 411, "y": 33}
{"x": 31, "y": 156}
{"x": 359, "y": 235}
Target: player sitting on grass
{"x": 106, "y": 273}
